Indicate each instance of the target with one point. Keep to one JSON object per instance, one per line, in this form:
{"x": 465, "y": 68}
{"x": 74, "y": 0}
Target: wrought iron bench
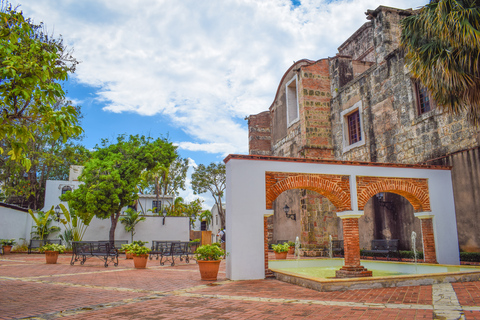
{"x": 99, "y": 249}
{"x": 169, "y": 250}
{"x": 385, "y": 248}
{"x": 35, "y": 244}
{"x": 117, "y": 244}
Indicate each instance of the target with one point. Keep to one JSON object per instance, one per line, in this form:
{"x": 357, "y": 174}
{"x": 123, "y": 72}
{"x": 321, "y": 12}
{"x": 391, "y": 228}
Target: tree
{"x": 50, "y": 160}
{"x": 32, "y": 65}
{"x": 130, "y": 220}
{"x": 207, "y": 217}
{"x": 212, "y": 179}
{"x": 42, "y": 227}
{"x": 165, "y": 180}
{"x": 112, "y": 175}
{"x": 442, "y": 44}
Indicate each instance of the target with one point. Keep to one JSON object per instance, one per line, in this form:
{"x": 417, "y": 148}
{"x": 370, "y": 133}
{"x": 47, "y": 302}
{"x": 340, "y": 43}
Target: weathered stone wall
{"x": 466, "y": 192}
{"x": 259, "y": 134}
{"x": 360, "y": 44}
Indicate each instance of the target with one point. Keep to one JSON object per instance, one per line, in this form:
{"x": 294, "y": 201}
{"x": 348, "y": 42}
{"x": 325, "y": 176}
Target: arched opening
{"x": 315, "y": 220}
{"x": 389, "y": 216}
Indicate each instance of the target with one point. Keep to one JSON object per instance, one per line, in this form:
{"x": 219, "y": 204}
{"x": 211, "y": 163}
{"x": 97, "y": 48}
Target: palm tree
{"x": 442, "y": 44}
{"x": 130, "y": 220}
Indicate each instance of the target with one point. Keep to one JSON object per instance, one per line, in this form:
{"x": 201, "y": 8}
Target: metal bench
{"x": 169, "y": 250}
{"x": 35, "y": 243}
{"x": 337, "y": 247}
{"x": 117, "y": 244}
{"x": 385, "y": 248}
{"x": 99, "y": 249}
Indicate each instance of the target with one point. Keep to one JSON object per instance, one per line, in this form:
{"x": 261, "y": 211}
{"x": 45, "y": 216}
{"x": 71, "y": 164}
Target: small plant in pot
{"x": 281, "y": 250}
{"x": 140, "y": 255}
{"x": 7, "y": 245}
{"x": 208, "y": 258}
{"x": 51, "y": 252}
{"x": 291, "y": 244}
{"x": 125, "y": 247}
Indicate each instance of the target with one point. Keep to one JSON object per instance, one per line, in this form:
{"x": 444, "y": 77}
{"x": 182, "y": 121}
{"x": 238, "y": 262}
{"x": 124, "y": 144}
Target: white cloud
{"x": 204, "y": 64}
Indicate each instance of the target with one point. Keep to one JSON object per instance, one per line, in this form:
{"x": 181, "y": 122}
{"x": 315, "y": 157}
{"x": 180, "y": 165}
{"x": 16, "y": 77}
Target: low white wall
{"x": 15, "y": 224}
{"x": 175, "y": 228}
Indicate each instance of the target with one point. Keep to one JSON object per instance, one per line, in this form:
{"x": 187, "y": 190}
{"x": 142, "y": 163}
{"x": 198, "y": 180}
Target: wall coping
{"x": 334, "y": 162}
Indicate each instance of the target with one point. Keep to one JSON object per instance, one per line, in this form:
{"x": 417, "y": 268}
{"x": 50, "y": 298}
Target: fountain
{"x": 297, "y": 248}
{"x": 330, "y": 247}
{"x": 414, "y": 246}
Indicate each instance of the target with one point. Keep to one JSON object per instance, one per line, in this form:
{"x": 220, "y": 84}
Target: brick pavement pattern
{"x": 29, "y": 288}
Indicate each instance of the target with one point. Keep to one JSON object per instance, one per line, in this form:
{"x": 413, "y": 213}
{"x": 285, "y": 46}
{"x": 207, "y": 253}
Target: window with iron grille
{"x": 353, "y": 121}
{"x": 156, "y": 205}
{"x": 424, "y": 104}
{"x": 65, "y": 189}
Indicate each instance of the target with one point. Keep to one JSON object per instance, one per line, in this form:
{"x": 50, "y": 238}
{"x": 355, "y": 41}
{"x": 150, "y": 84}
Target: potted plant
{"x": 140, "y": 255}
{"x": 126, "y": 247}
{"x": 208, "y": 258}
{"x": 291, "y": 244}
{"x": 51, "y": 252}
{"x": 281, "y": 250}
{"x": 7, "y": 245}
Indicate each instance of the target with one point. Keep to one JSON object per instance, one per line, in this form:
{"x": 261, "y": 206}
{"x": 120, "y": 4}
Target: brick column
{"x": 351, "y": 245}
{"x": 429, "y": 253}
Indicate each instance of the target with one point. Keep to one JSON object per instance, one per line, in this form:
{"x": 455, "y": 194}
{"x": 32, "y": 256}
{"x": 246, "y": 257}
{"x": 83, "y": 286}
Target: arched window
{"x": 65, "y": 189}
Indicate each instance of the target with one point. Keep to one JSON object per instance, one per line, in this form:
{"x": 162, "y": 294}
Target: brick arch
{"x": 334, "y": 187}
{"x": 414, "y": 190}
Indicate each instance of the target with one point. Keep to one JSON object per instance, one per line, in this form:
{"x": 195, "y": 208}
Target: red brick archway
{"x": 414, "y": 190}
{"x": 334, "y": 187}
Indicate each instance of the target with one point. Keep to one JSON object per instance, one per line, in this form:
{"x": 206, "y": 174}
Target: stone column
{"x": 351, "y": 245}
{"x": 428, "y": 237}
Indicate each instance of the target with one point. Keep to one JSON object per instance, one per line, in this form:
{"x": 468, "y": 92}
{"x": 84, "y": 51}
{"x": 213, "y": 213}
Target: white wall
{"x": 15, "y": 224}
{"x": 246, "y": 207}
{"x": 175, "y": 228}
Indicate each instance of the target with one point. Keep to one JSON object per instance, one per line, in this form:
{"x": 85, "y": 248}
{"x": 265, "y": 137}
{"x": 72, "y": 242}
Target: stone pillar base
{"x": 353, "y": 272}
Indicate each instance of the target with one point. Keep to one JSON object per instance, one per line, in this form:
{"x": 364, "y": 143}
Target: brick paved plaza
{"x": 31, "y": 288}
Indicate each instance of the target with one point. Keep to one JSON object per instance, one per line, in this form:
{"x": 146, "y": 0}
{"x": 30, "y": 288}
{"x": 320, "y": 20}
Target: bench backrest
{"x": 117, "y": 244}
{"x": 35, "y": 243}
{"x": 337, "y": 244}
{"x": 390, "y": 245}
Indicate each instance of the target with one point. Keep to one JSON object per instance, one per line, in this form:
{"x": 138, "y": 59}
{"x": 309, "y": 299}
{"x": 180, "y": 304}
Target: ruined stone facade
{"x": 366, "y": 89}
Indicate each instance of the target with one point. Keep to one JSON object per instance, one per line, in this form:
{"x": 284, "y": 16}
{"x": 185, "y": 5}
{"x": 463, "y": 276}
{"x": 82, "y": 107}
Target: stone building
{"x": 363, "y": 105}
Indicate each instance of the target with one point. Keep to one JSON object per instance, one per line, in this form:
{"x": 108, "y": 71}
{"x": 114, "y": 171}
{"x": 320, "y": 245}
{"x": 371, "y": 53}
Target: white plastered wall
{"x": 246, "y": 207}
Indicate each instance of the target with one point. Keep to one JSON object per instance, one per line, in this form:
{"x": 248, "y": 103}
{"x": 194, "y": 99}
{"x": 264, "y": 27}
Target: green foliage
{"x": 281, "y": 247}
{"x": 207, "y": 217}
{"x": 443, "y": 51}
{"x": 136, "y": 249}
{"x": 112, "y": 175}
{"x": 211, "y": 179}
{"x": 196, "y": 240}
{"x": 32, "y": 65}
{"x": 209, "y": 252}
{"x": 470, "y": 256}
{"x": 128, "y": 246}
{"x": 53, "y": 247}
{"x": 67, "y": 237}
{"x": 75, "y": 223}
{"x": 7, "y": 242}
{"x": 291, "y": 243}
{"x": 130, "y": 220}
{"x": 42, "y": 228}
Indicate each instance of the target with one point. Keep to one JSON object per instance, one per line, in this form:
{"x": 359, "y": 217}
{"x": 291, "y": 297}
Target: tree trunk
{"x": 114, "y": 219}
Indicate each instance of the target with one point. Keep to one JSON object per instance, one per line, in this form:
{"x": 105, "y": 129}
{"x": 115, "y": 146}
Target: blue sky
{"x": 187, "y": 69}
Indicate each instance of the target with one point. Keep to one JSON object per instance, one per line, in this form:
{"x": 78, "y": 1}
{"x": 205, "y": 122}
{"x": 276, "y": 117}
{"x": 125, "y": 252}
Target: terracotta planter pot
{"x": 128, "y": 255}
{"x": 140, "y": 262}
{"x": 291, "y": 250}
{"x": 208, "y": 269}
{"x": 51, "y": 257}
{"x": 7, "y": 249}
{"x": 281, "y": 255}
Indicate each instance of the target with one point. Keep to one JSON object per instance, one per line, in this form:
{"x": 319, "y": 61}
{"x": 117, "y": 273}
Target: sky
{"x": 190, "y": 70}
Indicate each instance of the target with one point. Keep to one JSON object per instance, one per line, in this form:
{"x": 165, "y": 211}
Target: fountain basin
{"x": 318, "y": 274}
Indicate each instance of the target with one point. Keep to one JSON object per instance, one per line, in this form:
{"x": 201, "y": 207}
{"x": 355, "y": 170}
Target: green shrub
{"x": 53, "y": 247}
{"x": 209, "y": 252}
{"x": 137, "y": 249}
{"x": 470, "y": 256}
{"x": 281, "y": 247}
